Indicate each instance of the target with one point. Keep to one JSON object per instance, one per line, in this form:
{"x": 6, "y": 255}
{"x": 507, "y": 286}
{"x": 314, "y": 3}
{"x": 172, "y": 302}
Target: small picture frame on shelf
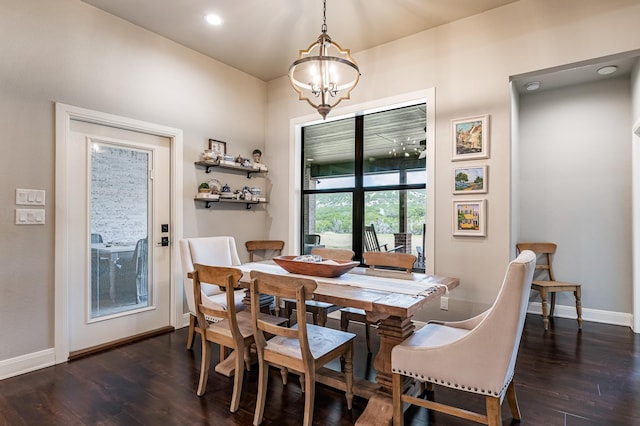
{"x": 470, "y": 180}
{"x": 470, "y": 138}
{"x": 218, "y": 148}
{"x": 469, "y": 218}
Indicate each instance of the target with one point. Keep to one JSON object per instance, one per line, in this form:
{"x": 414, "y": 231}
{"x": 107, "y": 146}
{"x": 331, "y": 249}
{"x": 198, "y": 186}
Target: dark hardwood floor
{"x": 563, "y": 377}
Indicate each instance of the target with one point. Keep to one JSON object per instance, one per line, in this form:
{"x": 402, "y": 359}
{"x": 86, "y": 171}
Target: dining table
{"x": 388, "y": 298}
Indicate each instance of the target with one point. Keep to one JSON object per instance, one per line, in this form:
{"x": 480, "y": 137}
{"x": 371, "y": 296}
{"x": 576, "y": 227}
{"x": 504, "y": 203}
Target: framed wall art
{"x": 469, "y": 218}
{"x": 217, "y": 147}
{"x": 470, "y": 180}
{"x": 470, "y": 138}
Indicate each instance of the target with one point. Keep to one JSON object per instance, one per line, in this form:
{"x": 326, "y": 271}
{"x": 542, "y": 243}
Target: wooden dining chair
{"x": 304, "y": 348}
{"x": 269, "y": 249}
{"x": 549, "y": 285}
{"x": 319, "y": 310}
{"x": 371, "y": 242}
{"x": 231, "y": 329}
{"x": 268, "y": 246}
{"x": 375, "y": 260}
{"x": 477, "y": 355}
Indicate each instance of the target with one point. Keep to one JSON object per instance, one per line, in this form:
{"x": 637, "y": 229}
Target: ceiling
{"x": 263, "y": 37}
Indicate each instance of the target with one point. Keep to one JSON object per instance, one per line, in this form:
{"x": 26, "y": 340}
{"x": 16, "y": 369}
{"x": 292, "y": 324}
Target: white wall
{"x": 468, "y": 62}
{"x": 67, "y": 51}
{"x": 575, "y": 162}
{"x": 635, "y": 100}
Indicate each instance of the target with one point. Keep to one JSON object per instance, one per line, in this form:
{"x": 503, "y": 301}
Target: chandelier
{"x": 324, "y": 74}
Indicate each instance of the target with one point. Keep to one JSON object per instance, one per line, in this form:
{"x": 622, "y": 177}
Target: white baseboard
{"x": 562, "y": 311}
{"x": 595, "y": 315}
{"x": 26, "y": 363}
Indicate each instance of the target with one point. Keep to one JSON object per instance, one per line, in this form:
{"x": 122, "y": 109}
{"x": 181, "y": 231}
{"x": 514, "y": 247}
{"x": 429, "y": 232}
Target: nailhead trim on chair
{"x": 454, "y": 385}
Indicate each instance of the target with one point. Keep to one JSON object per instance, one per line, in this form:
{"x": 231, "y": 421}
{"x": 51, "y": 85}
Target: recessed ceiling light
{"x": 609, "y": 69}
{"x": 213, "y": 19}
{"x": 534, "y": 85}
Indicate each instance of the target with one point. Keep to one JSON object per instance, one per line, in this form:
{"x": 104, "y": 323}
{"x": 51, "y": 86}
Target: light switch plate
{"x": 30, "y": 216}
{"x": 30, "y": 197}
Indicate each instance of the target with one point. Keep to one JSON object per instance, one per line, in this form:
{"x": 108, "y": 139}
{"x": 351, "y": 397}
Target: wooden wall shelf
{"x": 248, "y": 170}
{"x": 223, "y": 200}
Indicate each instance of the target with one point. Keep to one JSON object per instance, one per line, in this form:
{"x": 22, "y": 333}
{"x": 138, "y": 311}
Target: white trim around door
{"x": 64, "y": 115}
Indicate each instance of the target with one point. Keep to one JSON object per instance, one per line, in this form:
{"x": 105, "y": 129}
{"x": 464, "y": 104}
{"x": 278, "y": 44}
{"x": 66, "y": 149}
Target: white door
{"x": 119, "y": 210}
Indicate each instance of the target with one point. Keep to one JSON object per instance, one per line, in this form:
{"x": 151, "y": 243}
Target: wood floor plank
{"x": 563, "y": 377}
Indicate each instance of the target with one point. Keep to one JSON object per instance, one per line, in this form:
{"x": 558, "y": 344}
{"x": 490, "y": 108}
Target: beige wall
{"x": 66, "y": 51}
{"x": 469, "y": 63}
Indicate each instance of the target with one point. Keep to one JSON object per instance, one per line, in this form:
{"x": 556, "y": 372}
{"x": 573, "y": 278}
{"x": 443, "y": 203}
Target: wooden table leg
{"x": 379, "y": 410}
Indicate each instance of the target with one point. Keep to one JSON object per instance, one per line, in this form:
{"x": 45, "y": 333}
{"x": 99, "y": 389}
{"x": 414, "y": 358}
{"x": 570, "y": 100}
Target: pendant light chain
{"x": 324, "y": 17}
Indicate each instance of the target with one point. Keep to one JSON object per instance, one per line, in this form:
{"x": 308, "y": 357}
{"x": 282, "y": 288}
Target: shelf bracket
{"x": 208, "y": 169}
{"x": 207, "y": 205}
{"x": 248, "y": 206}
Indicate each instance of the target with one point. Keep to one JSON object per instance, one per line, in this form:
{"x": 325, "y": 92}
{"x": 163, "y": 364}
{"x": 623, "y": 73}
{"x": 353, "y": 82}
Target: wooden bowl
{"x": 316, "y": 269}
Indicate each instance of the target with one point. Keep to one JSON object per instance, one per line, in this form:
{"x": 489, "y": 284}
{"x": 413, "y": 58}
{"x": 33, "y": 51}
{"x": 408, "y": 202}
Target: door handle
{"x": 164, "y": 242}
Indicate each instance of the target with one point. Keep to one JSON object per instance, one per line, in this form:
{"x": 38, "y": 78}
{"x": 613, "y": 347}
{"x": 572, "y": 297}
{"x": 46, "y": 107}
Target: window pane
{"x": 119, "y": 228}
{"x": 327, "y": 220}
{"x": 394, "y": 142}
{"x": 328, "y": 151}
{"x": 398, "y": 218}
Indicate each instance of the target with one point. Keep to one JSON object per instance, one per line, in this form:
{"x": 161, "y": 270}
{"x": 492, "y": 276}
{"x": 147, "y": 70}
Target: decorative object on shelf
{"x": 329, "y": 268}
{"x": 204, "y": 187}
{"x": 470, "y": 180}
{"x": 218, "y": 148}
{"x": 470, "y": 137}
{"x": 245, "y": 194}
{"x": 209, "y": 155}
{"x": 257, "y": 156}
{"x": 469, "y": 218}
{"x": 215, "y": 186}
{"x": 333, "y": 74}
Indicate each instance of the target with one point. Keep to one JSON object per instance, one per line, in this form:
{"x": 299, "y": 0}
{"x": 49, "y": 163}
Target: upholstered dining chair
{"x": 375, "y": 260}
{"x": 213, "y": 251}
{"x": 303, "y": 348}
{"x": 477, "y": 355}
{"x": 547, "y": 284}
{"x": 231, "y": 330}
{"x": 319, "y": 310}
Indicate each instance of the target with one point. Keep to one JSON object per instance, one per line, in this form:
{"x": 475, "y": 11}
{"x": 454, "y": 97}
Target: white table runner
{"x": 416, "y": 285}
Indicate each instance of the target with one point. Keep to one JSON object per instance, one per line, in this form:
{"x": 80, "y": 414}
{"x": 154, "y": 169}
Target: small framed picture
{"x": 469, "y": 218}
{"x": 218, "y": 147}
{"x": 470, "y": 180}
{"x": 470, "y": 138}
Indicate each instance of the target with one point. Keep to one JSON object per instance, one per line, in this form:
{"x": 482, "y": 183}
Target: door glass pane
{"x": 398, "y": 219}
{"x": 119, "y": 209}
{"x": 394, "y": 143}
{"x": 329, "y": 153}
{"x": 327, "y": 221}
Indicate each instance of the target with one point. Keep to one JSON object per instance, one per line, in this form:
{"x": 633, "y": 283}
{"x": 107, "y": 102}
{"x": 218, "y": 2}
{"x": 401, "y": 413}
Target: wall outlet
{"x": 444, "y": 303}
